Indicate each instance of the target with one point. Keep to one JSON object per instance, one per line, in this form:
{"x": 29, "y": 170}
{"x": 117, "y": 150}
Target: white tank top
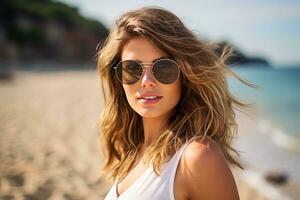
{"x": 149, "y": 186}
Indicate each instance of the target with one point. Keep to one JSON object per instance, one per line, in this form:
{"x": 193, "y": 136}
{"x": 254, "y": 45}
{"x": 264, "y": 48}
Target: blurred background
{"x": 50, "y": 99}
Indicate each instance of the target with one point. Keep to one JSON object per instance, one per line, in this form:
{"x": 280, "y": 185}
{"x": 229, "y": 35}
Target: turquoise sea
{"x": 278, "y": 96}
{"x": 273, "y": 139}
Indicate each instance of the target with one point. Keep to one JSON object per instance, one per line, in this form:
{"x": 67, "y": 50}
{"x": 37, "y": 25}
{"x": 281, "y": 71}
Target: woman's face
{"x": 138, "y": 94}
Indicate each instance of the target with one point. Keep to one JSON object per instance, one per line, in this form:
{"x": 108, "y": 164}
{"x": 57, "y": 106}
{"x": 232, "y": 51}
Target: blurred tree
{"x": 47, "y": 30}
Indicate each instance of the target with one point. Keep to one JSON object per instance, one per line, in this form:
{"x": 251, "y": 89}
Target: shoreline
{"x": 258, "y": 186}
{"x": 262, "y": 156}
{"x": 281, "y": 138}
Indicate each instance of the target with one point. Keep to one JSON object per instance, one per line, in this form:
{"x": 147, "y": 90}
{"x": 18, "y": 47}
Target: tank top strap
{"x": 176, "y": 161}
{"x": 175, "y": 166}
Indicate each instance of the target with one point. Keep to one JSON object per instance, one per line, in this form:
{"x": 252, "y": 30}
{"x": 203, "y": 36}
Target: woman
{"x": 168, "y": 119}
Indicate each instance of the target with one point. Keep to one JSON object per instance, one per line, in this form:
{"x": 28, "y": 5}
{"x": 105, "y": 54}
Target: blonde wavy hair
{"x": 206, "y": 106}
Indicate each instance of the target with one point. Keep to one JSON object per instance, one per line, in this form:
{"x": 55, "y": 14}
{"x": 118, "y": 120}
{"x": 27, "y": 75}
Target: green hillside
{"x": 47, "y": 30}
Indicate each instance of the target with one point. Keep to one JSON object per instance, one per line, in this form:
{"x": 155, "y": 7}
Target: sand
{"x": 49, "y": 145}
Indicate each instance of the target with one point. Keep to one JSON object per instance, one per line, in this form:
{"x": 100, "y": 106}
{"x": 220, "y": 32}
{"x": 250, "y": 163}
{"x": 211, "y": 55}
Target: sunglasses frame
{"x": 147, "y": 65}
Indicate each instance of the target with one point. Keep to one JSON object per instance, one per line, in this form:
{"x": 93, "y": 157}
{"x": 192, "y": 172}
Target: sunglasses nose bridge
{"x": 147, "y": 76}
{"x": 145, "y": 66}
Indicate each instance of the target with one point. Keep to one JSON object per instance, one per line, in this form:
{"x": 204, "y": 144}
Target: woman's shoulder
{"x": 205, "y": 152}
{"x": 205, "y": 171}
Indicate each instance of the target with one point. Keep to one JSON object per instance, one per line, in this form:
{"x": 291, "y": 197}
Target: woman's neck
{"x": 153, "y": 127}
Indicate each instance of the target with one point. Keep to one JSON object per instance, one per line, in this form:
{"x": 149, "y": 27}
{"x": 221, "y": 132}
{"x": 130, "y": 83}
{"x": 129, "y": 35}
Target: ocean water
{"x": 278, "y": 96}
{"x": 273, "y": 142}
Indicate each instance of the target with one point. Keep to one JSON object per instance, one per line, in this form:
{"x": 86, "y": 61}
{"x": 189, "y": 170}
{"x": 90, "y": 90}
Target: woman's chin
{"x": 146, "y": 113}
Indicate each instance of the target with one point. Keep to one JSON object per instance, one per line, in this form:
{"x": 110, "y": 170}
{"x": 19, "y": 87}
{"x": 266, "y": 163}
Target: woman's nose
{"x": 148, "y": 79}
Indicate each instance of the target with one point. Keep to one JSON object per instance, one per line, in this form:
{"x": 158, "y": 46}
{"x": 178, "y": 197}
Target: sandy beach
{"x": 49, "y": 145}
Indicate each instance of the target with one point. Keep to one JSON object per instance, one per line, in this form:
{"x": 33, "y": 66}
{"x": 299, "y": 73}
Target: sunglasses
{"x": 164, "y": 70}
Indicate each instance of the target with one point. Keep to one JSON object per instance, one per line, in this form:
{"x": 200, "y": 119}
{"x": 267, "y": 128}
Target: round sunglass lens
{"x": 129, "y": 71}
{"x": 166, "y": 71}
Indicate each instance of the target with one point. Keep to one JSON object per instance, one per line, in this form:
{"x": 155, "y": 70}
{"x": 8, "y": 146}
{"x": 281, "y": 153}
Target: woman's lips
{"x": 150, "y": 99}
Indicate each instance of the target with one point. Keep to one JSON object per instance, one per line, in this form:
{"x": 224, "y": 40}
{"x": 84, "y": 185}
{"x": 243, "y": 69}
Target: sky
{"x": 267, "y": 28}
